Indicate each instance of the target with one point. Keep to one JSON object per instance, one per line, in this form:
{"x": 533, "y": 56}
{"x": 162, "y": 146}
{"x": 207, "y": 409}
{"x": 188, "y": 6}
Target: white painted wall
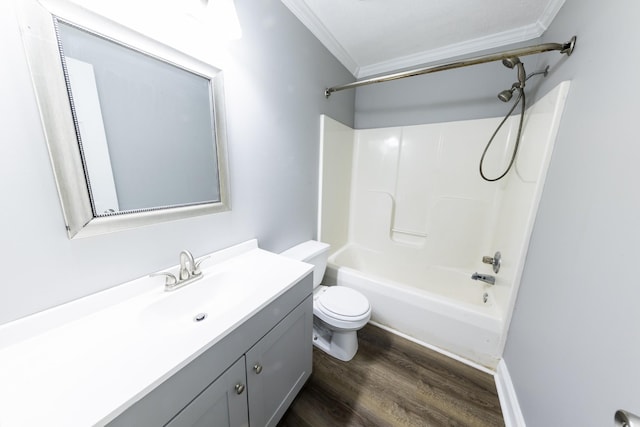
{"x": 573, "y": 350}
{"x": 275, "y": 78}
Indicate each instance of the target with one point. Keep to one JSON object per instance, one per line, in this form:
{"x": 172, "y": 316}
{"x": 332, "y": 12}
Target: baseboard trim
{"x": 508, "y": 400}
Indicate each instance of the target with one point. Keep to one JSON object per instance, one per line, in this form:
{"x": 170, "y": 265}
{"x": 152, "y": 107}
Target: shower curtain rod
{"x": 566, "y": 48}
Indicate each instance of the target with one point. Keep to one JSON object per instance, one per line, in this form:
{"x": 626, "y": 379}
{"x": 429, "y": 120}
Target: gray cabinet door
{"x": 278, "y": 366}
{"x": 222, "y": 404}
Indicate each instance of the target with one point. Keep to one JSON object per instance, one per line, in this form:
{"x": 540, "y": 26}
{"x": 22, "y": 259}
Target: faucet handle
{"x": 170, "y": 278}
{"x": 196, "y": 267}
{"x": 495, "y": 261}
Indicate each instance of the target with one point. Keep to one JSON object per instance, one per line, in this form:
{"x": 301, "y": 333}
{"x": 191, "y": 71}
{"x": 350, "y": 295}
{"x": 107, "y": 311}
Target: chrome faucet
{"x": 487, "y": 278}
{"x": 189, "y": 272}
{"x": 186, "y": 271}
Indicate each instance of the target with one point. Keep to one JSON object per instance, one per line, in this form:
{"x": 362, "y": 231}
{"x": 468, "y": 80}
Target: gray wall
{"x": 274, "y": 93}
{"x": 460, "y": 94}
{"x": 573, "y": 350}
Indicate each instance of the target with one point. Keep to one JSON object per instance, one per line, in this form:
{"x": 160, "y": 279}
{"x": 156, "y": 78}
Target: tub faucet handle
{"x": 495, "y": 261}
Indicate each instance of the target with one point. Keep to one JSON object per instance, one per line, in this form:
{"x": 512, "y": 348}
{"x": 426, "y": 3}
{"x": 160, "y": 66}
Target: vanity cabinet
{"x": 249, "y": 378}
{"x": 278, "y": 366}
{"x": 222, "y": 404}
{"x": 259, "y": 387}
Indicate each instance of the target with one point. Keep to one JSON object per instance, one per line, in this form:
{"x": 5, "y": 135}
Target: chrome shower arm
{"x": 536, "y": 73}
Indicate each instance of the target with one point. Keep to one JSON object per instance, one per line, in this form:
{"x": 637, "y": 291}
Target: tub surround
{"x": 85, "y": 362}
{"x": 421, "y": 219}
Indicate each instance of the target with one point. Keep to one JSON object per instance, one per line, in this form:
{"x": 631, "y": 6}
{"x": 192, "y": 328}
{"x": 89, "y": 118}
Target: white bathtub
{"x": 436, "y": 306}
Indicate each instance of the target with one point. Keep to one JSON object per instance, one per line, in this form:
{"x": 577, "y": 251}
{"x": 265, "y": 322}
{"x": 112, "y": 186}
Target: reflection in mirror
{"x": 144, "y": 134}
{"x": 140, "y": 113}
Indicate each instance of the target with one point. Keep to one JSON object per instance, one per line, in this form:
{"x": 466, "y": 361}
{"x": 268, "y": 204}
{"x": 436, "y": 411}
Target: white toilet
{"x": 338, "y": 312}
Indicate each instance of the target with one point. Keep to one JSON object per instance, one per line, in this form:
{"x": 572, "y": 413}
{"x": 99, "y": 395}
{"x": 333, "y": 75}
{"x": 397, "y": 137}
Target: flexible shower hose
{"x": 521, "y": 98}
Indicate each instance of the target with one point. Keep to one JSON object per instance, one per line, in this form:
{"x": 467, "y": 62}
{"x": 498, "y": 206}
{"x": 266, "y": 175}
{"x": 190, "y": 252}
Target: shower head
{"x": 511, "y": 62}
{"x": 507, "y": 94}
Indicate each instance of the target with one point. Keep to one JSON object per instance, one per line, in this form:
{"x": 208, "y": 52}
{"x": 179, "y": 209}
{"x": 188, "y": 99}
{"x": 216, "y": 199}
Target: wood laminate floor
{"x": 393, "y": 382}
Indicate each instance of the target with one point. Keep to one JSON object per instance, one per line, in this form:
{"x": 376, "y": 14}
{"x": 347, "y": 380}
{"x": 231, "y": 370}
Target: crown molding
{"x": 311, "y": 21}
{"x": 300, "y": 9}
{"x": 549, "y": 14}
{"x": 491, "y": 41}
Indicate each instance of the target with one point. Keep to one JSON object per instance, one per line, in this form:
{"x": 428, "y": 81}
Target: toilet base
{"x": 342, "y": 345}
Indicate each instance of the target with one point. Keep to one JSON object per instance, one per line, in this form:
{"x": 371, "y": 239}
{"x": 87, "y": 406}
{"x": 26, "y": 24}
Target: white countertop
{"x": 85, "y": 362}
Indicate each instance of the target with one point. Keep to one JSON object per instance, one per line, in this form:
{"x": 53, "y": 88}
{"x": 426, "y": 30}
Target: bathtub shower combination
{"x": 409, "y": 220}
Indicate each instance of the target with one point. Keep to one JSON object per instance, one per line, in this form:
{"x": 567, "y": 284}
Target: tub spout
{"x": 487, "y": 278}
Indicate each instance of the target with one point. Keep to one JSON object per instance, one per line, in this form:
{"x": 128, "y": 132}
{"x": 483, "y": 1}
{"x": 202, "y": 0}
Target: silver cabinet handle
{"x": 239, "y": 388}
{"x": 257, "y": 368}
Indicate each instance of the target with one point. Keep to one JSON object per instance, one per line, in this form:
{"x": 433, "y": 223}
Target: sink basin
{"x": 203, "y": 301}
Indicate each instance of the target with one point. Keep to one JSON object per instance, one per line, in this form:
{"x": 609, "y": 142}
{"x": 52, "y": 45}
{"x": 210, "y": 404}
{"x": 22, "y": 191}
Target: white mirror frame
{"x": 41, "y": 48}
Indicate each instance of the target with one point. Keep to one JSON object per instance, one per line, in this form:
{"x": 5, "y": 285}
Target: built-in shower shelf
{"x": 408, "y": 236}
{"x": 409, "y": 232}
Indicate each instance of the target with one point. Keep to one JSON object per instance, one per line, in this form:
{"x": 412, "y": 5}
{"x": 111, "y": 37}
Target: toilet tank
{"x": 312, "y": 252}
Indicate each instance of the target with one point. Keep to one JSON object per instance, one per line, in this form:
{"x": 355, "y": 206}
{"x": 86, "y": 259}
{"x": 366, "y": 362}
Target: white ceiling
{"x": 377, "y": 36}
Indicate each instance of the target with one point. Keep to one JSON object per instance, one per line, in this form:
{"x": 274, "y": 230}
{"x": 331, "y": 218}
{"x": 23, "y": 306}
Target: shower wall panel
{"x": 417, "y": 190}
{"x": 520, "y": 192}
{"x": 336, "y": 146}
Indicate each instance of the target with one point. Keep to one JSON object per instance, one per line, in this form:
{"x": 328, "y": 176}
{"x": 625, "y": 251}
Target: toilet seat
{"x": 344, "y": 304}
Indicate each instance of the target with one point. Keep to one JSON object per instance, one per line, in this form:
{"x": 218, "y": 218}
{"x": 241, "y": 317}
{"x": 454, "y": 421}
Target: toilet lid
{"x": 343, "y": 302}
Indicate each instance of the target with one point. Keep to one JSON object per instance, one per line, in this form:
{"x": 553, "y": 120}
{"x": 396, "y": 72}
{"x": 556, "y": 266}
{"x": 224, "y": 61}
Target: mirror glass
{"x": 135, "y": 129}
{"x": 145, "y": 127}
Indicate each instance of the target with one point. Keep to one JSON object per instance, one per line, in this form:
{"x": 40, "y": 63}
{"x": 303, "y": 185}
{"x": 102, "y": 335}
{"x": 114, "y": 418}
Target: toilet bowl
{"x": 338, "y": 312}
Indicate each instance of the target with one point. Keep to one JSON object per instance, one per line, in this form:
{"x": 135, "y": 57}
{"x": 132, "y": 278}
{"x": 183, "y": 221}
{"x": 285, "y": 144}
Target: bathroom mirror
{"x": 135, "y": 129}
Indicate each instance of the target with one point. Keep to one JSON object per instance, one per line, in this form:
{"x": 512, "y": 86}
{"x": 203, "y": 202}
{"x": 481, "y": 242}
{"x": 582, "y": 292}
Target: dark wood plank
{"x": 394, "y": 382}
